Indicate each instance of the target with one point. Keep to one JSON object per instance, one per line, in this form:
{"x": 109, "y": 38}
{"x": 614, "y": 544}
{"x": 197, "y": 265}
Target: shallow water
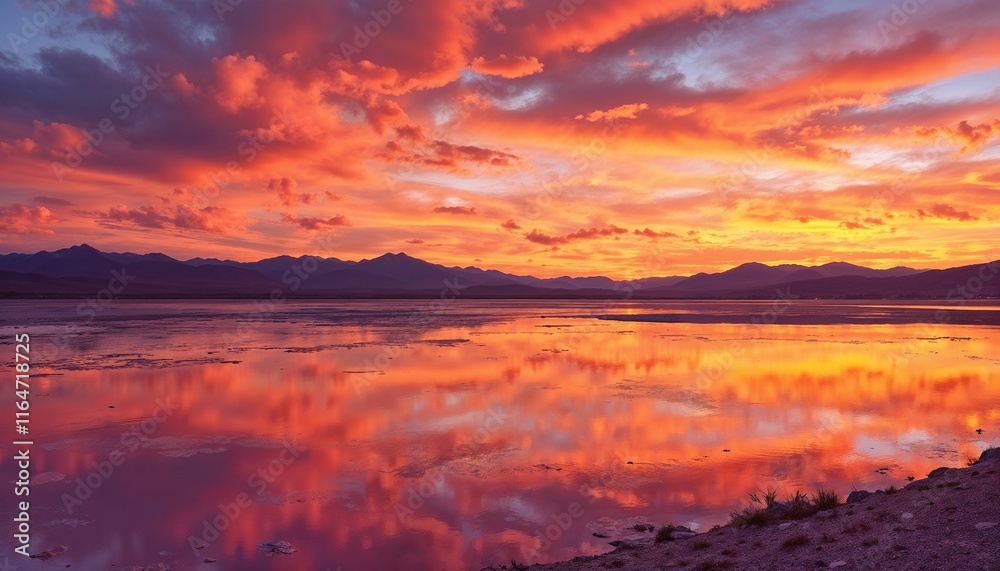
{"x": 423, "y": 435}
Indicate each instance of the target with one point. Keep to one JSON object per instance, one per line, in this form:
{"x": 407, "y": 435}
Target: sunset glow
{"x": 626, "y": 138}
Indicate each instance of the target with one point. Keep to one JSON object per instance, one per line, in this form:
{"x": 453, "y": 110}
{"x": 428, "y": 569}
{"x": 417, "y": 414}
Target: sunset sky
{"x": 626, "y": 138}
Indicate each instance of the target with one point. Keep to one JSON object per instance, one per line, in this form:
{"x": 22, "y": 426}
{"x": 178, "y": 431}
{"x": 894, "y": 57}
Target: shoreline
{"x": 948, "y": 520}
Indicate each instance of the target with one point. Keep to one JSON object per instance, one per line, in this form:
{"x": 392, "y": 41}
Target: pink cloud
{"x": 463, "y": 210}
{"x": 21, "y": 219}
{"x": 508, "y": 67}
{"x": 647, "y": 233}
{"x": 236, "y": 82}
{"x": 948, "y": 212}
{"x": 315, "y": 223}
{"x": 582, "y": 234}
{"x": 628, "y": 111}
{"x": 208, "y": 219}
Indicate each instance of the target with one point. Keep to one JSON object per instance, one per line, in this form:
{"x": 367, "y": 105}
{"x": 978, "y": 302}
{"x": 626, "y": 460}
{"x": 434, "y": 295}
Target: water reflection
{"x": 479, "y": 434}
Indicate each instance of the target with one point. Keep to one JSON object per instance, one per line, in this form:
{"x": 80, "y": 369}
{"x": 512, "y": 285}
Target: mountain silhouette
{"x": 82, "y": 270}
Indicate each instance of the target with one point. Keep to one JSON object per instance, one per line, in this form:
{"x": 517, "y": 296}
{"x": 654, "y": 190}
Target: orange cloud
{"x": 310, "y": 223}
{"x": 628, "y": 111}
{"x": 106, "y": 8}
{"x": 508, "y": 67}
{"x": 236, "y": 82}
{"x": 208, "y": 219}
{"x": 463, "y": 210}
{"x": 286, "y": 189}
{"x": 21, "y": 219}
{"x": 582, "y": 234}
{"x": 971, "y": 137}
{"x": 647, "y": 233}
{"x": 947, "y": 212}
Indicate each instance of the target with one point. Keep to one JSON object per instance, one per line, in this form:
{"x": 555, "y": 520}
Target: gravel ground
{"x": 948, "y": 521}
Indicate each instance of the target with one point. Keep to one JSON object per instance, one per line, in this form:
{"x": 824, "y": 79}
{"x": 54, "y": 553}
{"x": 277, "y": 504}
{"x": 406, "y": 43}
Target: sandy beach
{"x": 948, "y": 520}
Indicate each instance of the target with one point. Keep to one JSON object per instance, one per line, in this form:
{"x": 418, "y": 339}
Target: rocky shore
{"x": 947, "y": 521}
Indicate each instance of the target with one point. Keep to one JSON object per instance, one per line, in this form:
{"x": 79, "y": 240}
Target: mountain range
{"x": 82, "y": 271}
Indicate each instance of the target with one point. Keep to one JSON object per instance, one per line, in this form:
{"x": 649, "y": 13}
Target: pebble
{"x": 836, "y": 564}
{"x": 785, "y": 526}
{"x": 683, "y": 534}
{"x": 857, "y": 496}
{"x": 984, "y": 525}
{"x": 275, "y": 546}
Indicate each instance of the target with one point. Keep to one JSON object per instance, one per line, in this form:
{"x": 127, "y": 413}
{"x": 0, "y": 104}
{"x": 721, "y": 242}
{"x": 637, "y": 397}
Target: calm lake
{"x": 455, "y": 435}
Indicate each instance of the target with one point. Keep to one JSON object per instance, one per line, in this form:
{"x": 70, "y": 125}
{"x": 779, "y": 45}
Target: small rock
{"x": 683, "y": 534}
{"x": 59, "y": 550}
{"x": 857, "y": 495}
{"x": 786, "y": 525}
{"x": 209, "y": 560}
{"x": 836, "y": 564}
{"x": 778, "y": 510}
{"x": 984, "y": 525}
{"x": 937, "y": 472}
{"x": 600, "y": 535}
{"x": 907, "y": 515}
{"x": 271, "y": 547}
{"x": 824, "y": 514}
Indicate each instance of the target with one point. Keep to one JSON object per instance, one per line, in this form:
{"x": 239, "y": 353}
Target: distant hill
{"x": 754, "y": 274}
{"x": 83, "y": 271}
